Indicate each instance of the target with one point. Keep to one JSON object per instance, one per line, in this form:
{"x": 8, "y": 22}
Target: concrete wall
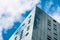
{"x": 42, "y": 28}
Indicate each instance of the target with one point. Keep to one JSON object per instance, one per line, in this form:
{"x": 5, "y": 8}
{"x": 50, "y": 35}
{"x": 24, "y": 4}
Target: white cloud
{"x": 56, "y": 14}
{"x": 11, "y": 10}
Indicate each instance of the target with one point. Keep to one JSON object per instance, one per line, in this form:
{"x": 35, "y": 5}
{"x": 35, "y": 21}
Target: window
{"x": 54, "y": 20}
{"x": 55, "y": 38}
{"x": 16, "y": 33}
{"x": 49, "y": 29}
{"x": 23, "y": 24}
{"x": 55, "y": 29}
{"x": 30, "y": 16}
{"x": 27, "y": 34}
{"x": 55, "y": 34}
{"x": 48, "y": 37}
{"x": 16, "y": 38}
{"x": 29, "y": 21}
{"x": 49, "y": 25}
{"x": 54, "y": 26}
{"x": 49, "y": 22}
{"x": 21, "y": 34}
{"x": 28, "y": 28}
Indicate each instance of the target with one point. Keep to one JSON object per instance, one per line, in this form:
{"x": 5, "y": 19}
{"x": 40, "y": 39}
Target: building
{"x": 25, "y": 28}
{"x": 45, "y": 27}
{"x": 37, "y": 26}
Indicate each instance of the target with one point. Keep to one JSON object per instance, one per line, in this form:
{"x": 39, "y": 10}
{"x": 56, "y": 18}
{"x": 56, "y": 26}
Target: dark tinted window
{"x": 29, "y": 21}
{"x": 16, "y": 38}
{"x": 28, "y": 28}
{"x": 21, "y": 34}
{"x": 48, "y": 37}
{"x": 27, "y": 34}
{"x": 54, "y": 20}
{"x": 49, "y": 22}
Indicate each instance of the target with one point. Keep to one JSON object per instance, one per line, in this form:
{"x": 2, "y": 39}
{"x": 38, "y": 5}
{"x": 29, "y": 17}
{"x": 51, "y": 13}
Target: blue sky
{"x": 12, "y": 15}
{"x": 51, "y": 7}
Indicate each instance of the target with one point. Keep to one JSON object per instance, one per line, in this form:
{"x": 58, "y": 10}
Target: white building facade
{"x": 24, "y": 32}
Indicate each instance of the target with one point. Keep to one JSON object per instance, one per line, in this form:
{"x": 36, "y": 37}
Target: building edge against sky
{"x": 37, "y": 26}
{"x": 26, "y": 23}
{"x": 45, "y": 27}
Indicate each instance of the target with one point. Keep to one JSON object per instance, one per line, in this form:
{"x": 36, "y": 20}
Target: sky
{"x": 51, "y": 7}
{"x": 13, "y": 13}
